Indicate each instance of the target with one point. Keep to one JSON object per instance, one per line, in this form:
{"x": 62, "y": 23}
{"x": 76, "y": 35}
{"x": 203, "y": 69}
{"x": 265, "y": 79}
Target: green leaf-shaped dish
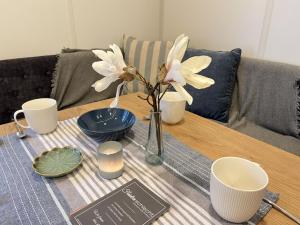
{"x": 57, "y": 162}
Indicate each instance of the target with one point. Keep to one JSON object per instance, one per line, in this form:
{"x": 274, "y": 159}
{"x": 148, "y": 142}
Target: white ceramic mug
{"x": 172, "y": 106}
{"x": 40, "y": 114}
{"x": 237, "y": 187}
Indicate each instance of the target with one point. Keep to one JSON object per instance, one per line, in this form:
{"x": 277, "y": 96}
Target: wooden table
{"x": 214, "y": 141}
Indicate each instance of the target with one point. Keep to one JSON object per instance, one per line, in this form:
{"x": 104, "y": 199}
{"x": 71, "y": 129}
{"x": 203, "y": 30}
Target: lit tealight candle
{"x": 110, "y": 159}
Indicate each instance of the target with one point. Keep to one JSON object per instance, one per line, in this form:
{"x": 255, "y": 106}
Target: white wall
{"x": 101, "y": 22}
{"x": 32, "y": 27}
{"x": 216, "y": 24}
{"x": 283, "y": 39}
{"x": 41, "y": 27}
{"x": 266, "y": 29}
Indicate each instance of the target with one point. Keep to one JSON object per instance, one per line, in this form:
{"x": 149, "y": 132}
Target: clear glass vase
{"x": 154, "y": 146}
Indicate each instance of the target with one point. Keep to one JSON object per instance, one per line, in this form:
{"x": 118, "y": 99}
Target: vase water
{"x": 154, "y": 146}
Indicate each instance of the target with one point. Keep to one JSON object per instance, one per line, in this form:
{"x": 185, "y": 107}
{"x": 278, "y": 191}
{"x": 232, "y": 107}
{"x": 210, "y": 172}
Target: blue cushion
{"x": 214, "y": 102}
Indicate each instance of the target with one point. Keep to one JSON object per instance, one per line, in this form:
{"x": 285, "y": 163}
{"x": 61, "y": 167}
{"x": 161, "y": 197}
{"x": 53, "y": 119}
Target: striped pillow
{"x": 147, "y": 57}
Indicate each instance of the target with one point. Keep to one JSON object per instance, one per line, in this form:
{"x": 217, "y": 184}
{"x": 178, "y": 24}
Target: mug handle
{"x": 16, "y": 120}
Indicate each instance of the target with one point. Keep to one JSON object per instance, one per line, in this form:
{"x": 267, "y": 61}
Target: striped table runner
{"x": 27, "y": 198}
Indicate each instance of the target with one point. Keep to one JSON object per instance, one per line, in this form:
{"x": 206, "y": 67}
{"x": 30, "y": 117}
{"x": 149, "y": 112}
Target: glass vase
{"x": 154, "y": 146}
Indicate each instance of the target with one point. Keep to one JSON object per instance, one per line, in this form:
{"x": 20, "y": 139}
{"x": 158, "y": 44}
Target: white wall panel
{"x": 216, "y": 24}
{"x": 33, "y": 27}
{"x": 283, "y": 43}
{"x": 99, "y": 23}
{"x": 41, "y": 27}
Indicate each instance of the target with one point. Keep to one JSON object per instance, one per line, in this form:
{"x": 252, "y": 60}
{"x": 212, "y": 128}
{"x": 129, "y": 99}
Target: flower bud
{"x": 162, "y": 74}
{"x": 127, "y": 76}
{"x": 130, "y": 70}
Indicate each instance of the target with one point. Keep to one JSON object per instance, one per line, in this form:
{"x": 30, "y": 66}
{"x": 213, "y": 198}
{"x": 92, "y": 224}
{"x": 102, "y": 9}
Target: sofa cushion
{"x": 147, "y": 57}
{"x": 268, "y": 95}
{"x": 22, "y": 80}
{"x": 73, "y": 50}
{"x": 74, "y": 77}
{"x": 214, "y": 102}
{"x": 285, "y": 142}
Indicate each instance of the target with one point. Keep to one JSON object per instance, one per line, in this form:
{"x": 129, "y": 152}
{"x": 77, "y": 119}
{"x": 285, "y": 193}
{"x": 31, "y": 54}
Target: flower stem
{"x": 162, "y": 95}
{"x": 154, "y": 95}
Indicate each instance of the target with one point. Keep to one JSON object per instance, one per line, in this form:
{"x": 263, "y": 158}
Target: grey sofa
{"x": 265, "y": 101}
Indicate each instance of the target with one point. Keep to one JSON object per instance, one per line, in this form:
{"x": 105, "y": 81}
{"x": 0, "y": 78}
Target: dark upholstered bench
{"x": 24, "y": 79}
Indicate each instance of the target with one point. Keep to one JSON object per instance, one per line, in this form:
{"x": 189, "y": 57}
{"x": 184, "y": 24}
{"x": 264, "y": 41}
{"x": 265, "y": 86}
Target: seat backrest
{"x": 22, "y": 80}
{"x": 268, "y": 93}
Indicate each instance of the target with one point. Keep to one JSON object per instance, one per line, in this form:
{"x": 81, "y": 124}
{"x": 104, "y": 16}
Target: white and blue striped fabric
{"x": 147, "y": 57}
{"x": 27, "y": 198}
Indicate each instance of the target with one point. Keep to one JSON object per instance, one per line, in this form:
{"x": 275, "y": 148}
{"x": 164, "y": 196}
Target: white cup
{"x": 40, "y": 114}
{"x": 237, "y": 187}
{"x": 172, "y": 106}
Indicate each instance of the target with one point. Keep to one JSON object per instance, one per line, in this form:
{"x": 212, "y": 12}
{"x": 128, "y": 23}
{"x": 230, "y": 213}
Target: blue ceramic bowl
{"x": 106, "y": 124}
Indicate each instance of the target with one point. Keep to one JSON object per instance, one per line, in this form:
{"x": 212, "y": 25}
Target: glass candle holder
{"x": 110, "y": 159}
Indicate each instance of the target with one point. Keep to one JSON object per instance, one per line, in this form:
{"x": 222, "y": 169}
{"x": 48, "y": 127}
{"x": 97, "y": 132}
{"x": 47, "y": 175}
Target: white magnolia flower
{"x": 178, "y": 74}
{"x": 111, "y": 67}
